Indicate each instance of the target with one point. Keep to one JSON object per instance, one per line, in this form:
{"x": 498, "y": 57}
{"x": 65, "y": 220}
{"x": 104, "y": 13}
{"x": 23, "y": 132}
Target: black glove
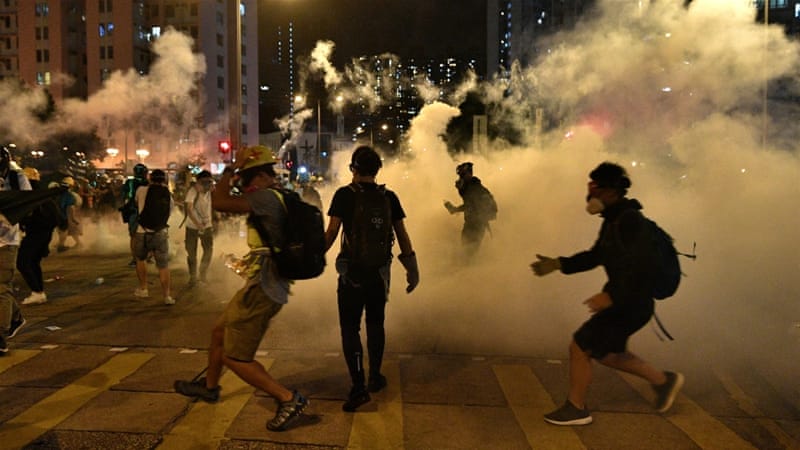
{"x": 409, "y": 262}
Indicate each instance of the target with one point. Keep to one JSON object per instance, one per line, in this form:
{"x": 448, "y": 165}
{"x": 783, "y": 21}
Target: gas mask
{"x": 594, "y": 205}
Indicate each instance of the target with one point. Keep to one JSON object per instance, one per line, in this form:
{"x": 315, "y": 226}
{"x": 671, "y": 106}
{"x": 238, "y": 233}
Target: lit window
{"x": 102, "y": 29}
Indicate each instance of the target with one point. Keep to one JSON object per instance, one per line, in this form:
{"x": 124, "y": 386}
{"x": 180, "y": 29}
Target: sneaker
{"x": 569, "y": 414}
{"x": 3, "y": 346}
{"x": 141, "y": 293}
{"x": 376, "y": 383}
{"x": 288, "y": 412}
{"x": 358, "y": 396}
{"x": 197, "y": 389}
{"x": 36, "y": 298}
{"x": 16, "y": 324}
{"x": 168, "y": 300}
{"x": 666, "y": 393}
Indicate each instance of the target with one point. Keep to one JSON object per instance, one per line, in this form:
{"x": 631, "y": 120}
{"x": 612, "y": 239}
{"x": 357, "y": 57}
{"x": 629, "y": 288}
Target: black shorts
{"x": 608, "y": 330}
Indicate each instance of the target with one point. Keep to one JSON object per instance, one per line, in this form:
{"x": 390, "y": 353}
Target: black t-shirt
{"x": 343, "y": 205}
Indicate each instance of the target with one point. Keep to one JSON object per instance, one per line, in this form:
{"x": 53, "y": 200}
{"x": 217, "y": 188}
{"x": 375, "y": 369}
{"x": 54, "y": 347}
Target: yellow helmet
{"x": 255, "y": 156}
{"x": 32, "y": 174}
{"x": 68, "y": 181}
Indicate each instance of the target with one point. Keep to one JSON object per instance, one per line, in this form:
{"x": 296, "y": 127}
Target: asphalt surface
{"x": 94, "y": 369}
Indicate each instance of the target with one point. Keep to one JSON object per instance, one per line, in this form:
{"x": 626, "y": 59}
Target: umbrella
{"x": 17, "y": 204}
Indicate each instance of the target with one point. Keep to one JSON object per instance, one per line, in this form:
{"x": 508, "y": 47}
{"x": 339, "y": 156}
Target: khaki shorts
{"x": 247, "y": 320}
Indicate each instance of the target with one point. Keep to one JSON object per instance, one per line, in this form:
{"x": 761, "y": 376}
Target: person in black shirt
{"x": 478, "y": 208}
{"x": 624, "y": 305}
{"x": 371, "y": 216}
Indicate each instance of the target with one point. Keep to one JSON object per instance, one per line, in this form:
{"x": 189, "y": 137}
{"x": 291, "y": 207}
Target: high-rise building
{"x": 42, "y": 41}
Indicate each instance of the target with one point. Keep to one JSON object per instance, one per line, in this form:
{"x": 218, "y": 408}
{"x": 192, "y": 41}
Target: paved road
{"x": 94, "y": 367}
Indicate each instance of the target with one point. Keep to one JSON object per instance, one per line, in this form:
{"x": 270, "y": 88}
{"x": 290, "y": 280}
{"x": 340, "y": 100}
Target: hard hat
{"x": 255, "y": 156}
{"x": 32, "y": 173}
{"x": 68, "y": 181}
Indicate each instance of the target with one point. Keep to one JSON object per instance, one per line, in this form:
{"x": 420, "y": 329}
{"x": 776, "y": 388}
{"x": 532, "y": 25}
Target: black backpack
{"x": 666, "y": 264}
{"x": 302, "y": 255}
{"x": 155, "y": 214}
{"x": 369, "y": 242}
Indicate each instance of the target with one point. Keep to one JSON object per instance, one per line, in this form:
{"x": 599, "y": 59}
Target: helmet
{"x": 257, "y": 155}
{"x": 140, "y": 170}
{"x": 32, "y": 173}
{"x": 68, "y": 181}
{"x": 158, "y": 176}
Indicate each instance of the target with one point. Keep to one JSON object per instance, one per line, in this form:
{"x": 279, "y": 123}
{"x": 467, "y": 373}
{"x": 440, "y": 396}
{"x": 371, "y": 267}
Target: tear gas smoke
{"x": 672, "y": 93}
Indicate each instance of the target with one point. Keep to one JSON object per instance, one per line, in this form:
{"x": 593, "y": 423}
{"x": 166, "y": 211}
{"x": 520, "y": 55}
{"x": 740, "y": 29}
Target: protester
{"x": 199, "y": 225}
{"x": 478, "y": 207}
{"x": 371, "y": 216}
{"x": 154, "y": 203}
{"x": 239, "y": 330}
{"x": 35, "y": 246}
{"x": 625, "y": 304}
{"x": 129, "y": 209}
{"x": 11, "y": 320}
{"x": 70, "y": 204}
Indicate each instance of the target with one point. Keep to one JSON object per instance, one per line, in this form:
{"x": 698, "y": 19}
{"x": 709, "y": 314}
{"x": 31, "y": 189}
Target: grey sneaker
{"x": 666, "y": 393}
{"x": 569, "y": 414}
{"x": 197, "y": 389}
{"x": 288, "y": 412}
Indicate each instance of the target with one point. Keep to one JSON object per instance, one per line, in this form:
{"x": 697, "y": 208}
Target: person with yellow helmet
{"x": 237, "y": 333}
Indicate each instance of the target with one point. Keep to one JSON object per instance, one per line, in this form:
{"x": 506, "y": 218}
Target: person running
{"x": 239, "y": 330}
{"x": 371, "y": 216}
{"x": 154, "y": 202}
{"x": 623, "y": 306}
{"x": 479, "y": 208}
{"x": 199, "y": 226}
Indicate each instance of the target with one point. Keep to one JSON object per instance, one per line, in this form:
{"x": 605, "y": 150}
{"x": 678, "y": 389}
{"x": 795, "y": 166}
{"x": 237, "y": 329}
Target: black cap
{"x": 158, "y": 176}
{"x": 464, "y": 167}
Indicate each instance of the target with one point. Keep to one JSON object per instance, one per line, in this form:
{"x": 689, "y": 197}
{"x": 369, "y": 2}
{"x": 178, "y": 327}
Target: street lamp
{"x": 142, "y": 153}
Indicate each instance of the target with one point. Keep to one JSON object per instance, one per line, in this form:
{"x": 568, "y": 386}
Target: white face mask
{"x": 594, "y": 206}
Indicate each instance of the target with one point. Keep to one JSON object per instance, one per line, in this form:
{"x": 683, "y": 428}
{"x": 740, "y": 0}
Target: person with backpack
{"x": 35, "y": 246}
{"x": 154, "y": 203}
{"x": 479, "y": 208}
{"x": 372, "y": 217}
{"x": 199, "y": 225}
{"x": 625, "y": 248}
{"x": 238, "y": 332}
{"x": 129, "y": 210}
{"x": 11, "y": 320}
{"x": 70, "y": 202}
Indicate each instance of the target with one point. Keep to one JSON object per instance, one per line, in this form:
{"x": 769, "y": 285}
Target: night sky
{"x": 408, "y": 28}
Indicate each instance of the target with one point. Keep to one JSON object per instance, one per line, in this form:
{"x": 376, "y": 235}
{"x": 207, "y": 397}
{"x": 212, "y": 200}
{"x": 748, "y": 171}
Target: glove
{"x": 450, "y": 208}
{"x": 545, "y": 265}
{"x": 409, "y": 262}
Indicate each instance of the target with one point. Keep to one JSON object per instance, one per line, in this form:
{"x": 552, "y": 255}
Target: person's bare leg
{"x": 580, "y": 375}
{"x": 164, "y": 278}
{"x": 215, "y": 353}
{"x": 141, "y": 273}
{"x": 254, "y": 374}
{"x": 630, "y": 363}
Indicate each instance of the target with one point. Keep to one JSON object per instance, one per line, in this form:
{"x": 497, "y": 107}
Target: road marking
{"x": 700, "y": 426}
{"x": 748, "y": 405}
{"x": 15, "y": 357}
{"x": 205, "y": 424}
{"x": 52, "y": 410}
{"x": 529, "y": 400}
{"x": 382, "y": 428}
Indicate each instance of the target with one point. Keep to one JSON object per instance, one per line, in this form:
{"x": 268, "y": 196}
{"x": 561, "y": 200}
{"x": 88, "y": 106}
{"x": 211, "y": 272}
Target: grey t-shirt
{"x": 265, "y": 202}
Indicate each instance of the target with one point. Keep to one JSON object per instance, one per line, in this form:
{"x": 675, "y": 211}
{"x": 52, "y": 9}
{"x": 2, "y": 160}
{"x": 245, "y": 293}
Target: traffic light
{"x": 224, "y": 146}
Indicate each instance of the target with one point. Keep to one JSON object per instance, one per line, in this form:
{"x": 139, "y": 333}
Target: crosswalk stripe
{"x": 52, "y": 410}
{"x": 529, "y": 400}
{"x": 700, "y": 426}
{"x": 748, "y": 405}
{"x": 384, "y": 427}
{"x": 15, "y": 357}
{"x": 205, "y": 424}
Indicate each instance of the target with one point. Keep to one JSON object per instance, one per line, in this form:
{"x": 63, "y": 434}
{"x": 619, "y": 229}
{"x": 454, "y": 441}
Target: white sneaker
{"x": 141, "y": 293}
{"x": 36, "y": 298}
{"x": 169, "y": 300}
